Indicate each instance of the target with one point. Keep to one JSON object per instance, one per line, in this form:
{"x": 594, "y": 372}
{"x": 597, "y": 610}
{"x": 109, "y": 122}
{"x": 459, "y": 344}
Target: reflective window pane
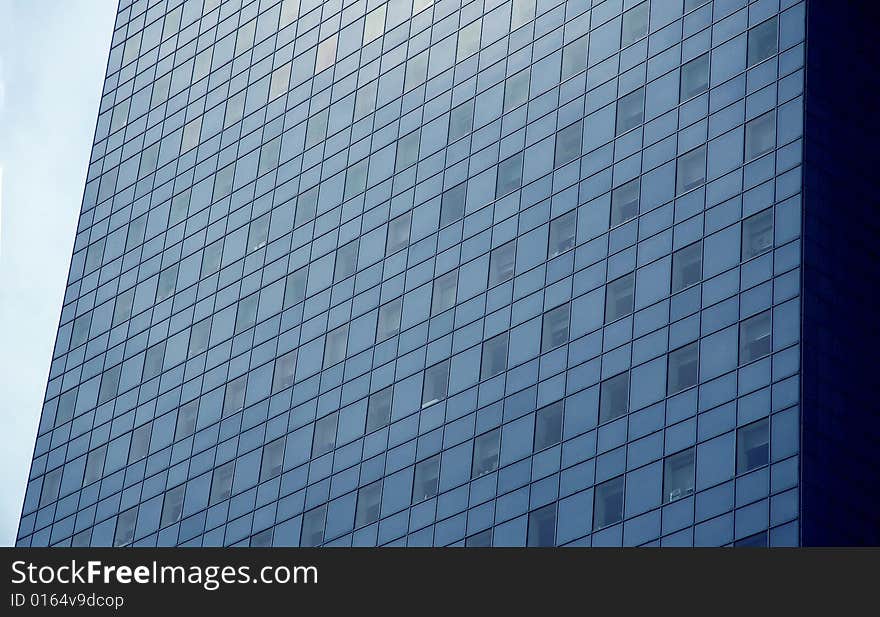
{"x": 486, "y": 451}
{"x": 494, "y": 356}
{"x": 683, "y": 368}
{"x": 625, "y": 202}
{"x": 687, "y": 266}
{"x": 555, "y": 328}
{"x": 695, "y": 77}
{"x": 548, "y": 426}
{"x": 752, "y": 446}
{"x": 762, "y": 41}
{"x": 436, "y": 380}
{"x": 678, "y": 475}
{"x": 619, "y": 297}
{"x": 760, "y": 135}
{"x": 608, "y": 503}
{"x": 614, "y": 397}
{"x": 757, "y": 234}
{"x": 755, "y": 337}
{"x": 562, "y": 233}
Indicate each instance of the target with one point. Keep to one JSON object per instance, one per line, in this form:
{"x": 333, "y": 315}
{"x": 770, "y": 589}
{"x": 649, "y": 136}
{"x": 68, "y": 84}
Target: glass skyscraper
{"x": 470, "y": 273}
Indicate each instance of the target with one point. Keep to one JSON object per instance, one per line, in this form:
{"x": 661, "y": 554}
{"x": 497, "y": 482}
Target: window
{"x": 369, "y": 498}
{"x": 374, "y": 25}
{"x": 246, "y": 315}
{"x": 326, "y": 55}
{"x": 501, "y": 263}
{"x": 65, "y": 407}
{"x": 695, "y": 77}
{"x": 542, "y": 526}
{"x": 760, "y": 135}
{"x": 755, "y": 337}
{"x": 295, "y": 287}
{"x": 762, "y": 41}
{"x": 51, "y": 486}
{"x": 436, "y": 380}
{"x": 625, "y": 202}
{"x": 389, "y": 320}
{"x": 346, "y": 260}
{"x": 167, "y": 282}
{"x": 334, "y": 345}
{"x": 192, "y": 129}
{"x": 365, "y": 100}
{"x": 757, "y": 234}
{"x": 479, "y": 540}
{"x": 494, "y": 356}
{"x": 759, "y": 540}
{"x": 379, "y": 409}
{"x": 284, "y": 371}
{"x": 753, "y": 446}
{"x": 313, "y": 527}
{"x": 199, "y": 337}
{"x": 180, "y": 204}
{"x": 262, "y": 539}
{"x": 356, "y": 179}
{"x": 153, "y": 360}
{"x": 523, "y": 12}
{"x": 125, "y": 528}
{"x": 186, "y": 420}
{"x": 635, "y": 24}
{"x": 427, "y": 479}
{"x": 140, "y": 443}
{"x": 461, "y": 120}
{"x": 269, "y": 154}
{"x": 692, "y": 4}
{"x": 562, "y": 233}
{"x": 630, "y": 111}
{"x": 548, "y": 426}
{"x": 486, "y": 449}
{"x": 608, "y": 503}
{"x": 509, "y": 175}
{"x": 122, "y": 308}
{"x": 258, "y": 233}
{"x": 420, "y": 5}
{"x": 683, "y": 368}
{"x": 110, "y": 383}
{"x": 172, "y": 506}
{"x": 613, "y": 397}
{"x": 221, "y": 483}
{"x": 80, "y": 331}
{"x": 691, "y": 170}
{"x": 555, "y": 330}
{"x": 273, "y": 458}
{"x": 516, "y": 90}
{"x": 687, "y": 266}
{"x": 416, "y": 71}
{"x": 306, "y": 207}
{"x": 325, "y": 435}
{"x": 407, "y": 150}
{"x": 619, "y": 296}
{"x": 316, "y": 129}
{"x": 574, "y": 57}
{"x": 95, "y": 465}
{"x": 568, "y": 143}
{"x": 468, "y": 40}
{"x": 452, "y": 204}
{"x": 443, "y": 297}
{"x": 678, "y": 475}
{"x": 398, "y": 234}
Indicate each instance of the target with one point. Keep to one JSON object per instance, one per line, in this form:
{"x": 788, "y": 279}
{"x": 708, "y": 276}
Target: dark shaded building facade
{"x": 486, "y": 273}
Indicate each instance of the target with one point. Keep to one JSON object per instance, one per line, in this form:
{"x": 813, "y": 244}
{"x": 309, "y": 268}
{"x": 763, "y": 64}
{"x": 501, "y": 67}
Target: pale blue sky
{"x": 52, "y": 59}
